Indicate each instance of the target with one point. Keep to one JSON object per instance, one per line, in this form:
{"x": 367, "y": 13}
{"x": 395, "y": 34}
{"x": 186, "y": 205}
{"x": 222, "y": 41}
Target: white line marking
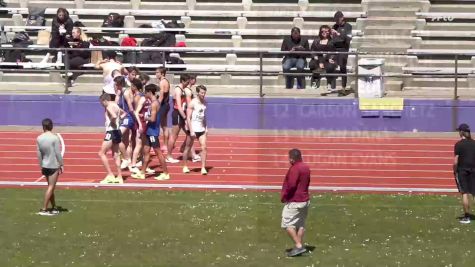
{"x": 237, "y": 146}
{"x": 269, "y": 155}
{"x": 257, "y": 143}
{"x": 278, "y": 133}
{"x": 235, "y": 186}
{"x": 243, "y": 167}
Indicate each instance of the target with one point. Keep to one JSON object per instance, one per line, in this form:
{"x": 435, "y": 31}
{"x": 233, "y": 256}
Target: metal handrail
{"x": 260, "y": 53}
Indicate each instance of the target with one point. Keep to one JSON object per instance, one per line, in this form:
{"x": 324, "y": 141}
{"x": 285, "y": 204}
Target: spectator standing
{"x": 341, "y": 36}
{"x": 322, "y": 62}
{"x": 295, "y": 42}
{"x": 296, "y": 198}
{"x": 61, "y": 31}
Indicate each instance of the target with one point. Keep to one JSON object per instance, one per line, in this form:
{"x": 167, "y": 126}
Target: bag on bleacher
{"x": 20, "y": 40}
{"x": 113, "y": 20}
{"x": 129, "y": 56}
{"x": 36, "y": 17}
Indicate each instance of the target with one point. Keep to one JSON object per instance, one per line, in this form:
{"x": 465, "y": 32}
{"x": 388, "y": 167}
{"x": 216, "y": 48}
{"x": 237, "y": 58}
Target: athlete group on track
{"x": 136, "y": 112}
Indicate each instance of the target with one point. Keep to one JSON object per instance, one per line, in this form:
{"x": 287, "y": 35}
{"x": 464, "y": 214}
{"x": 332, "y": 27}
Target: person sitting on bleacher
{"x": 77, "y": 58}
{"x": 294, "y": 42}
{"x": 323, "y": 63}
{"x": 341, "y": 36}
{"x": 61, "y": 31}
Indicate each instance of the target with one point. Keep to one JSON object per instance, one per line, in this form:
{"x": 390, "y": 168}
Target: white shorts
{"x": 294, "y": 214}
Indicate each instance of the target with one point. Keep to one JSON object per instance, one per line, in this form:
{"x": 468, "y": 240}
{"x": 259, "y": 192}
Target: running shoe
{"x": 45, "y": 213}
{"x": 125, "y": 164}
{"x": 139, "y": 164}
{"x": 196, "y": 158}
{"x": 110, "y": 179}
{"x": 172, "y": 160}
{"x": 162, "y": 177}
{"x": 138, "y": 175}
{"x": 149, "y": 171}
{"x": 119, "y": 180}
{"x": 465, "y": 220}
{"x": 186, "y": 170}
{"x": 204, "y": 171}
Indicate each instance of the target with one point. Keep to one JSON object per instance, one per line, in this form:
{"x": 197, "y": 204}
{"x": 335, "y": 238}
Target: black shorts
{"x": 48, "y": 172}
{"x": 177, "y": 119}
{"x": 152, "y": 141}
{"x": 199, "y": 134}
{"x": 115, "y": 136}
{"x": 465, "y": 179}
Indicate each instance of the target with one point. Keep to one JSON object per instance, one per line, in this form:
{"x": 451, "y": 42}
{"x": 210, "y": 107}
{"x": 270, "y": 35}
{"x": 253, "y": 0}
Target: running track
{"x": 255, "y": 162}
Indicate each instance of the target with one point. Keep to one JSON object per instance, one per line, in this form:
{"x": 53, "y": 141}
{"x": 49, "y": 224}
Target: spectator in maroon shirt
{"x": 296, "y": 198}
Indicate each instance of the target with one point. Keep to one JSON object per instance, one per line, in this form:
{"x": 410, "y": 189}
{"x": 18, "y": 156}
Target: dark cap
{"x": 463, "y": 128}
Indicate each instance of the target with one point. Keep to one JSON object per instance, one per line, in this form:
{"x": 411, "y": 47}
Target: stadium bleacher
{"x": 259, "y": 26}
{"x": 388, "y": 28}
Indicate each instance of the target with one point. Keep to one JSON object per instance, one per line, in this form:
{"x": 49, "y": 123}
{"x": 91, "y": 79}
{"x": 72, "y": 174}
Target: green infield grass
{"x": 197, "y": 228}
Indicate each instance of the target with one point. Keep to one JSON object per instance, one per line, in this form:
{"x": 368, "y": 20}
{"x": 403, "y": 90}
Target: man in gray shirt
{"x": 51, "y": 162}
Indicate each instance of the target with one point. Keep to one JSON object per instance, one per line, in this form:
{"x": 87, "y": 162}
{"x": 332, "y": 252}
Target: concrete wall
{"x": 255, "y": 113}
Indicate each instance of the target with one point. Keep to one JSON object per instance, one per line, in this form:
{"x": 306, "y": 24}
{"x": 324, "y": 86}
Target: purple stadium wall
{"x": 255, "y": 113}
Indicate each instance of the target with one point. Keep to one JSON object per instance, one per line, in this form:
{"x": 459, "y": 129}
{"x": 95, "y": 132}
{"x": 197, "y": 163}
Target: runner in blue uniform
{"x": 152, "y": 119}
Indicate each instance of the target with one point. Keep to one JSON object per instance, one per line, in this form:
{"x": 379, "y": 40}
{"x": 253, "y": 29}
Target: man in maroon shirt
{"x": 296, "y": 198}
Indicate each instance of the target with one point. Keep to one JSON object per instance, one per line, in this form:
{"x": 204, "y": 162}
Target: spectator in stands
{"x": 76, "y": 59}
{"x": 61, "y": 31}
{"x": 341, "y": 36}
{"x": 294, "y": 42}
{"x": 323, "y": 62}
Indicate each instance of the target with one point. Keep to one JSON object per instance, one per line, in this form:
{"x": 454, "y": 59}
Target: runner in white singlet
{"x": 112, "y": 139}
{"x": 196, "y": 118}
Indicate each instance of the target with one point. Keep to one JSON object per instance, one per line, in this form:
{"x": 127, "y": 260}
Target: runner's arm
{"x": 153, "y": 113}
{"x": 136, "y": 113}
{"x": 57, "y": 152}
{"x": 129, "y": 99}
{"x": 178, "y": 103}
{"x": 38, "y": 152}
{"x": 456, "y": 163}
{"x": 189, "y": 112}
{"x": 113, "y": 116}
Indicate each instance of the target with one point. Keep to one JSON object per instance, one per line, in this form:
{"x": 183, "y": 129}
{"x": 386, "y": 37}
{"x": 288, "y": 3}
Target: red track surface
{"x": 259, "y": 160}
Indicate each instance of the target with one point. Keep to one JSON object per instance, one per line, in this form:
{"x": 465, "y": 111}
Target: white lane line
{"x": 234, "y": 167}
{"x": 236, "y": 186}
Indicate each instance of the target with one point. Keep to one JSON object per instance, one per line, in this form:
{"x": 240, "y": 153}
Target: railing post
{"x": 261, "y": 78}
{"x": 66, "y": 69}
{"x": 356, "y": 75}
{"x": 456, "y": 78}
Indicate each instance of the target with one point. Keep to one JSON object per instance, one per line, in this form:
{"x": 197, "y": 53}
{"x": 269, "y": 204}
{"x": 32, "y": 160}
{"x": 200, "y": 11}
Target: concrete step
{"x": 443, "y": 63}
{"x": 401, "y": 11}
{"x": 469, "y": 8}
{"x": 387, "y": 21}
{"x": 384, "y": 40}
{"x": 161, "y": 5}
{"x": 430, "y": 82}
{"x": 400, "y": 48}
{"x": 449, "y": 44}
{"x": 432, "y": 92}
{"x": 389, "y": 4}
{"x": 311, "y": 7}
{"x": 442, "y": 26}
{"x": 393, "y": 30}
{"x": 389, "y": 85}
{"x": 213, "y": 90}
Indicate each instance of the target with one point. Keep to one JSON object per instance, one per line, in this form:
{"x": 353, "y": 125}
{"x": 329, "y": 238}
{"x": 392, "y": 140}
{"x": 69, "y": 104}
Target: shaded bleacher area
{"x": 381, "y": 28}
{"x": 208, "y": 24}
